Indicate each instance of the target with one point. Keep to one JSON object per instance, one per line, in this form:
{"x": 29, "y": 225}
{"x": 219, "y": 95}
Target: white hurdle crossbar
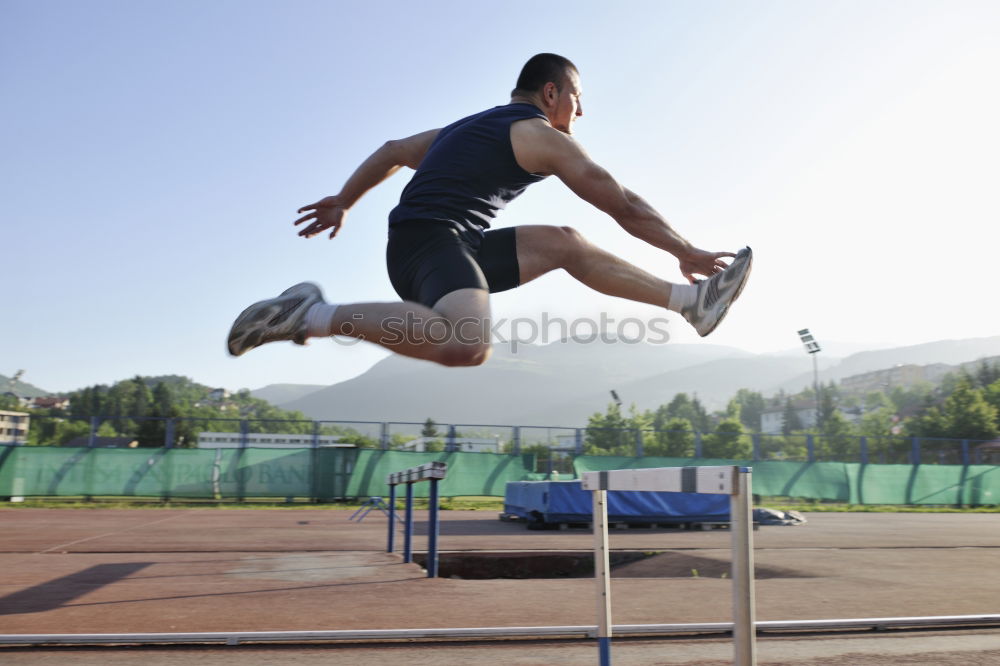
{"x": 729, "y": 480}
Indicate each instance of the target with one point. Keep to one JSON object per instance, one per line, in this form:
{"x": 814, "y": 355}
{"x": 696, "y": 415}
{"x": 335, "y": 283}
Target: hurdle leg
{"x": 361, "y": 509}
{"x": 744, "y": 614}
{"x": 432, "y": 532}
{"x": 408, "y": 526}
{"x": 602, "y": 575}
{"x": 391, "y": 542}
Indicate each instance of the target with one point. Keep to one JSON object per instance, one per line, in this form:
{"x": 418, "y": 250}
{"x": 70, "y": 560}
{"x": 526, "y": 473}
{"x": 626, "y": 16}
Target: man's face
{"x": 567, "y": 107}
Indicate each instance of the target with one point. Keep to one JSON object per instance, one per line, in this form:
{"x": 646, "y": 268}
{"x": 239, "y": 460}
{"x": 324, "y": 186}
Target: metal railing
{"x": 554, "y": 447}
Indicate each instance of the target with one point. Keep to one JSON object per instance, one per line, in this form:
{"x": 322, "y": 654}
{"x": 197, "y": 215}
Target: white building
{"x": 772, "y": 421}
{"x": 14, "y": 427}
{"x": 266, "y": 440}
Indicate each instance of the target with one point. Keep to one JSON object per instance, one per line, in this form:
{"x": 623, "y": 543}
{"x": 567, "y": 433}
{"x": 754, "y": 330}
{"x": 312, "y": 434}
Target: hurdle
{"x": 368, "y": 505}
{"x": 434, "y": 472}
{"x": 729, "y": 480}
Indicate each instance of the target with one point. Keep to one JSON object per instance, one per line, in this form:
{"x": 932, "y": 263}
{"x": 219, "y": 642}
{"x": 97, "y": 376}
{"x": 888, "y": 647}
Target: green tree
{"x": 728, "y": 441}
{"x": 929, "y": 423}
{"x": 752, "y": 405}
{"x": 968, "y": 415}
{"x": 67, "y": 430}
{"x": 909, "y": 398}
{"x": 964, "y": 414}
{"x": 790, "y": 421}
{"x": 675, "y": 439}
{"x": 605, "y": 431}
{"x": 732, "y": 411}
{"x": 837, "y": 440}
{"x": 991, "y": 394}
{"x": 429, "y": 429}
{"x": 152, "y": 431}
{"x": 684, "y": 407}
{"x": 827, "y": 409}
{"x": 987, "y": 373}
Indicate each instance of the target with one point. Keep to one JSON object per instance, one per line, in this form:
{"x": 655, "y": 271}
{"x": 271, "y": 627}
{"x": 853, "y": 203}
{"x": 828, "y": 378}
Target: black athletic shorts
{"x": 428, "y": 260}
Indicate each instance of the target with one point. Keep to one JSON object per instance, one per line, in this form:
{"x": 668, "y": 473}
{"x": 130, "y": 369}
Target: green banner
{"x": 843, "y": 482}
{"x": 328, "y": 474}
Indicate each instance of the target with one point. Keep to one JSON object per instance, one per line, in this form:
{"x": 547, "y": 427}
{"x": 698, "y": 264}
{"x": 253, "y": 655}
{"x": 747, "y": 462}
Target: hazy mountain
{"x": 21, "y": 389}
{"x": 950, "y": 352}
{"x": 564, "y": 383}
{"x": 278, "y": 394}
{"x": 714, "y": 382}
{"x": 511, "y": 384}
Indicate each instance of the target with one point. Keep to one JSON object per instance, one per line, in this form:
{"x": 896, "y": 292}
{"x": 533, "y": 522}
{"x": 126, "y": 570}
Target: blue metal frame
{"x": 432, "y": 532}
{"x": 392, "y": 519}
{"x": 433, "y": 472}
{"x": 408, "y": 526}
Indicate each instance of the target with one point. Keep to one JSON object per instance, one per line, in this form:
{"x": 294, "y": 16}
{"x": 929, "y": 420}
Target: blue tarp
{"x": 568, "y": 502}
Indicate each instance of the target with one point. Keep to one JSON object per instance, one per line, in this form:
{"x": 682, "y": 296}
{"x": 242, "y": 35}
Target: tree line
{"x": 964, "y": 406}
{"x": 143, "y": 408}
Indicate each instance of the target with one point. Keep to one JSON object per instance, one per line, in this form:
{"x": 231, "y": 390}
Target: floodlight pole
{"x": 812, "y": 347}
{"x": 816, "y": 384}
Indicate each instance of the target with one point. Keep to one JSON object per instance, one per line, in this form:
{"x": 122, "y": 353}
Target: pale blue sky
{"x": 153, "y": 155}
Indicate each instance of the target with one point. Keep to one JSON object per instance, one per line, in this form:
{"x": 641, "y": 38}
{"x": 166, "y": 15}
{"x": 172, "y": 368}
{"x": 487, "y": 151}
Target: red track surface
{"x": 190, "y": 570}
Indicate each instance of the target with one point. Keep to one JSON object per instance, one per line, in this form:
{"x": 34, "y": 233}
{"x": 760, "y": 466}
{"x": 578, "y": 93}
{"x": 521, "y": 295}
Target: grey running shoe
{"x": 281, "y": 318}
{"x": 717, "y": 293}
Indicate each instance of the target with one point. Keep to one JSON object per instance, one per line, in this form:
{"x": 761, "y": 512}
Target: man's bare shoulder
{"x": 538, "y": 146}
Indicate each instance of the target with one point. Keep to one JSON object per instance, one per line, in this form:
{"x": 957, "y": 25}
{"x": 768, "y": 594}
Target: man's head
{"x": 552, "y": 83}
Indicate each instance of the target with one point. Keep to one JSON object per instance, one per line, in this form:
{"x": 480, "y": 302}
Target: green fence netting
{"x": 328, "y": 474}
{"x": 468, "y": 473}
{"x": 324, "y": 474}
{"x": 843, "y": 482}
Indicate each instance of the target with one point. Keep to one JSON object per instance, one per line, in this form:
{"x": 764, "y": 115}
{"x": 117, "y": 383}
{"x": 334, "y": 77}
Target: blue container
{"x": 567, "y": 502}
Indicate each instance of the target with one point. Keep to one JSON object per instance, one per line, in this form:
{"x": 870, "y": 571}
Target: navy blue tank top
{"x": 469, "y": 173}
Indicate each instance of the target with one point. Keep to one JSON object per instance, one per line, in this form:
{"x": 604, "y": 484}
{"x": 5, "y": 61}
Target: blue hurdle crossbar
{"x": 716, "y": 480}
{"x": 434, "y": 472}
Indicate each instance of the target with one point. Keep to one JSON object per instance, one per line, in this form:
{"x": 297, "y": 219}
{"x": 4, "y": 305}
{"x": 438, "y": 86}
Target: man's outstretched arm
{"x": 541, "y": 149}
{"x": 329, "y": 212}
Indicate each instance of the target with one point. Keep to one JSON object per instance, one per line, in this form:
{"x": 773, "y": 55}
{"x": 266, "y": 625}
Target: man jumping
{"x": 444, "y": 260}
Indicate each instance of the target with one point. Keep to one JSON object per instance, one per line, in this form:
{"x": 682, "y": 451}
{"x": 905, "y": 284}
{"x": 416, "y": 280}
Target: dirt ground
{"x": 196, "y": 570}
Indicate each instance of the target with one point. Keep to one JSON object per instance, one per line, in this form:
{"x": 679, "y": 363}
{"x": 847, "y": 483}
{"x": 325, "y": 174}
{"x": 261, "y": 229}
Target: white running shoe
{"x": 281, "y": 318}
{"x": 717, "y": 293}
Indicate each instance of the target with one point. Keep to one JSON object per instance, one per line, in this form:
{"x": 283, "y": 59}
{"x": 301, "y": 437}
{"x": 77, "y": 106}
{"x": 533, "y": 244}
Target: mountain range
{"x": 563, "y": 383}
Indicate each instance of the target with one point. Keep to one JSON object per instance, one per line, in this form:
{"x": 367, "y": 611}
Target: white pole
{"x": 602, "y": 574}
{"x": 744, "y": 620}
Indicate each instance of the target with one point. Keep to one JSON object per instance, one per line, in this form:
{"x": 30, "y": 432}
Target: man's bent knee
{"x": 458, "y": 355}
{"x": 572, "y": 234}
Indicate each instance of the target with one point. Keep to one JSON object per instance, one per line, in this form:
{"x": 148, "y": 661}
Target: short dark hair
{"x": 541, "y": 69}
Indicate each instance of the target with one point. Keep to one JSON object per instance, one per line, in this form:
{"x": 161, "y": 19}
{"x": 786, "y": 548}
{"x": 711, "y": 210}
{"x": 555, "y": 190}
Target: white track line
{"x": 101, "y": 536}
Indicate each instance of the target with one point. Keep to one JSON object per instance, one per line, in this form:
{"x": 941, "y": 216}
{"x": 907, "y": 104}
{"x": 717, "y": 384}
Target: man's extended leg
{"x": 542, "y": 248}
{"x": 454, "y": 332}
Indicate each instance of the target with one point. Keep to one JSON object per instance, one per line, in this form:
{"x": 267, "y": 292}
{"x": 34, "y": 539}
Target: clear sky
{"x": 153, "y": 155}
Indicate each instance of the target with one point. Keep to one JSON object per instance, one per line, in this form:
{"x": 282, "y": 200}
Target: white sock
{"x": 319, "y": 320}
{"x": 682, "y": 296}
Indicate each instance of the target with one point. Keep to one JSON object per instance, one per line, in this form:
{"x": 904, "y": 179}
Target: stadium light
{"x": 812, "y": 347}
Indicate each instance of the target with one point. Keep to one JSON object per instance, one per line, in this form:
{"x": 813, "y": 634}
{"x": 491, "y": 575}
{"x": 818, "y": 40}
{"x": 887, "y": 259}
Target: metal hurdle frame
{"x": 434, "y": 472}
{"x": 729, "y": 480}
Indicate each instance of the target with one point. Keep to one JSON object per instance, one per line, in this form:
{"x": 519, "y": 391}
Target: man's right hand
{"x": 701, "y": 262}
{"x": 326, "y": 213}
